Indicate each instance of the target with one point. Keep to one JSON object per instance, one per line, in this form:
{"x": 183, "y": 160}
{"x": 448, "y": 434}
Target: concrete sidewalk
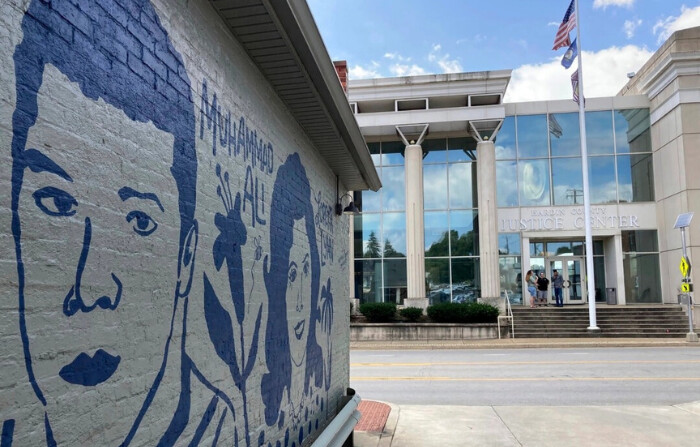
{"x": 600, "y": 426}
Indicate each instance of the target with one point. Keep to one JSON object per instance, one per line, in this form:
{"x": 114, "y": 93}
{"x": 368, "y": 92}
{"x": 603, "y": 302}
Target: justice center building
{"x": 476, "y": 192}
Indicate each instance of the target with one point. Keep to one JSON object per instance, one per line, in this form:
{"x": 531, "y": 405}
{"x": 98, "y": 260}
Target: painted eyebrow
{"x": 38, "y": 162}
{"x": 126, "y": 193}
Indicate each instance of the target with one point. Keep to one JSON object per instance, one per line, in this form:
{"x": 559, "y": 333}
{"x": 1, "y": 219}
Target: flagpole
{"x": 593, "y": 326}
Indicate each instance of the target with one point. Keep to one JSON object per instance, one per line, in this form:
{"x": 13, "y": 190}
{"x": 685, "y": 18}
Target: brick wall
{"x": 171, "y": 268}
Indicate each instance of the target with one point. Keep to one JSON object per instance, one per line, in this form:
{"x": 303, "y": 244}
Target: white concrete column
{"x": 415, "y": 239}
{"x": 488, "y": 221}
{"x": 620, "y": 270}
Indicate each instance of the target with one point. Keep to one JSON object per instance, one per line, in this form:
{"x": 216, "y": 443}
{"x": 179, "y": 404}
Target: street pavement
{"x": 530, "y": 425}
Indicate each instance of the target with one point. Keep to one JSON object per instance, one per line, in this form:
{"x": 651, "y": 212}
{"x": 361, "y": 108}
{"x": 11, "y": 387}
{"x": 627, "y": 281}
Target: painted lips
{"x": 90, "y": 371}
{"x": 299, "y": 329}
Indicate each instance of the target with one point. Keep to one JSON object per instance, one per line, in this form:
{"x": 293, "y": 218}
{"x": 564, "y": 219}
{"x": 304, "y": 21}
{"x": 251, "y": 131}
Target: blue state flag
{"x": 570, "y": 55}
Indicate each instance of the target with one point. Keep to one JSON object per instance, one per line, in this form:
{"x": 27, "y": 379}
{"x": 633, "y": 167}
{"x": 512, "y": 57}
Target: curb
{"x": 521, "y": 344}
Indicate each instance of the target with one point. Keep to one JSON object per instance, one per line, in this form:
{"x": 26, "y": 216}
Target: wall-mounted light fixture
{"x": 350, "y": 209}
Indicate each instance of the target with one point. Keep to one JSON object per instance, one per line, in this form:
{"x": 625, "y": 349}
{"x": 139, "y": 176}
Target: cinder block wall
{"x": 171, "y": 269}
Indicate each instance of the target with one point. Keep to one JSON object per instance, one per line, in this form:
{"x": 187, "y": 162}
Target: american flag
{"x": 574, "y": 85}
{"x": 568, "y": 24}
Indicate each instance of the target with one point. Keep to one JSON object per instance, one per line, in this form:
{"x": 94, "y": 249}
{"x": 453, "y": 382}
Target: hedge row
{"x": 438, "y": 313}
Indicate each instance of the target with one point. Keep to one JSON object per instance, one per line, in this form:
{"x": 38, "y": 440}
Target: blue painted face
{"x": 299, "y": 294}
{"x": 98, "y": 213}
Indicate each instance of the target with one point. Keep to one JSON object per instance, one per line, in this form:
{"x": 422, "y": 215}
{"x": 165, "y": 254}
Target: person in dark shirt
{"x": 557, "y": 284}
{"x": 542, "y": 286}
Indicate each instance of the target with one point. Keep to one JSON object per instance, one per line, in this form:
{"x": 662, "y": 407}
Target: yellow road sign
{"x": 684, "y": 267}
{"x": 686, "y": 287}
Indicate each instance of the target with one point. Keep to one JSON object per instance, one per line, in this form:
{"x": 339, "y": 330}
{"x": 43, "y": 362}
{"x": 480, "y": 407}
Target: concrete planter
{"x": 421, "y": 331}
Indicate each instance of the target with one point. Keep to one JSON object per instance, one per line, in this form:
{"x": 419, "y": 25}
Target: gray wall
{"x": 147, "y": 291}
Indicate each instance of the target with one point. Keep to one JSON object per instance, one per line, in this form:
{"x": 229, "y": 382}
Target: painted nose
{"x": 75, "y": 301}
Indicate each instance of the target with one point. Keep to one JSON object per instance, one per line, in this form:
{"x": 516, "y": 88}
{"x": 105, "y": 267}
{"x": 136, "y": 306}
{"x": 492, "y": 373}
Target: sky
{"x": 388, "y": 38}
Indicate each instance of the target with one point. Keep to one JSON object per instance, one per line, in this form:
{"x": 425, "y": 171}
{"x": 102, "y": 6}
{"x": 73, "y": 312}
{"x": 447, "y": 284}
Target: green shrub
{"x": 411, "y": 313}
{"x": 463, "y": 313}
{"x": 378, "y": 312}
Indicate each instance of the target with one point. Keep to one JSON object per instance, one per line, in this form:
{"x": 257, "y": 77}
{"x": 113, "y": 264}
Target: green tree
{"x": 390, "y": 252}
{"x": 373, "y": 248}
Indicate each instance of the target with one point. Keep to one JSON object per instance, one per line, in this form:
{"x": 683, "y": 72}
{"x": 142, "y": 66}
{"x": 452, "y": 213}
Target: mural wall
{"x": 170, "y": 254}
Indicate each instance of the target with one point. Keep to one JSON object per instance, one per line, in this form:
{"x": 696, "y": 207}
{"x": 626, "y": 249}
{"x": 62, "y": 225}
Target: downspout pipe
{"x": 340, "y": 429}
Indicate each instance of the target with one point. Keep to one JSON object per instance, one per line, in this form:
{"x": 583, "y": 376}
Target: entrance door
{"x": 572, "y": 269}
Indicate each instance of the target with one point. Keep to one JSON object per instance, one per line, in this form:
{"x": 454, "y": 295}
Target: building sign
{"x": 569, "y": 218}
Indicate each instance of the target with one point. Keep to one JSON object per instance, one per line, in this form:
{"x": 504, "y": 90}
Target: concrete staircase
{"x": 667, "y": 321}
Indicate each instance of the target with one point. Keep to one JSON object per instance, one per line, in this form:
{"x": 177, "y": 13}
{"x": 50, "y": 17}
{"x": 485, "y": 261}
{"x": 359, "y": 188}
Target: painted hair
{"x": 291, "y": 201}
{"x": 105, "y": 60}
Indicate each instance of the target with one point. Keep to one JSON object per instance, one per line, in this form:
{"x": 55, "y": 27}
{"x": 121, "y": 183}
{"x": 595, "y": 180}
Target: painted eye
{"x": 55, "y": 202}
{"x": 292, "y": 275}
{"x": 144, "y": 225}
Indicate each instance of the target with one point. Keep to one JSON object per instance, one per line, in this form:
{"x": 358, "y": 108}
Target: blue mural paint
{"x": 92, "y": 61}
{"x": 238, "y": 138}
{"x": 227, "y": 248}
{"x": 90, "y": 371}
{"x": 73, "y": 303}
{"x": 250, "y": 194}
{"x": 291, "y": 201}
{"x": 8, "y": 429}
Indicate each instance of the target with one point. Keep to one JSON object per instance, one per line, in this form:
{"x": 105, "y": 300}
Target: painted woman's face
{"x": 100, "y": 226}
{"x": 299, "y": 293}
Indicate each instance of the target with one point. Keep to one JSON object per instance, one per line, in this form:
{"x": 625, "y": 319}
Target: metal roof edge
{"x": 298, "y": 23}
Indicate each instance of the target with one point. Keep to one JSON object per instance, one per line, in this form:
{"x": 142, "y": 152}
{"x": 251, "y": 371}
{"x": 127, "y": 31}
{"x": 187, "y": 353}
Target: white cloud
{"x": 688, "y": 18}
{"x": 443, "y": 61}
{"x": 630, "y": 27}
{"x": 406, "y": 70}
{"x": 397, "y": 57}
{"x": 605, "y": 3}
{"x": 368, "y": 72}
{"x": 605, "y": 73}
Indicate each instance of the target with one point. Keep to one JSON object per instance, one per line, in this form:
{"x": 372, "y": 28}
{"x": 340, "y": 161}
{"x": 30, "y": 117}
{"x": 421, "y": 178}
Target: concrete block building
{"x": 173, "y": 271}
{"x": 476, "y": 191}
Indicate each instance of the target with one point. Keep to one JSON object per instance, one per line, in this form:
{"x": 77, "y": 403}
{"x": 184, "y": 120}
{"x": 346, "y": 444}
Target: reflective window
{"x": 511, "y": 277}
{"x": 374, "y": 149}
{"x": 642, "y": 278}
{"x": 436, "y": 234}
{"x": 567, "y": 181}
{"x": 466, "y": 284}
{"x": 394, "y": 235}
{"x": 463, "y": 237}
{"x": 395, "y": 288}
{"x": 371, "y": 200}
{"x": 435, "y": 187}
{"x": 599, "y": 277}
{"x": 632, "y": 132}
{"x": 393, "y": 188}
{"x": 601, "y": 179}
{"x": 534, "y": 182}
{"x": 505, "y": 140}
{"x": 599, "y": 133}
{"x": 635, "y": 176}
{"x": 564, "y": 134}
{"x": 536, "y": 249}
{"x": 532, "y": 136}
{"x": 436, "y": 150}
{"x": 640, "y": 241}
{"x": 462, "y": 185}
{"x": 437, "y": 279}
{"x": 368, "y": 281}
{"x": 461, "y": 149}
{"x": 559, "y": 248}
{"x": 506, "y": 184}
{"x": 392, "y": 153}
{"x": 368, "y": 231}
{"x": 509, "y": 244}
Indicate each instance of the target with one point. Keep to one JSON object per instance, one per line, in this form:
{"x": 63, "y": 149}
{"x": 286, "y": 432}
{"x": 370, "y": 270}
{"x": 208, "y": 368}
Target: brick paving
{"x": 374, "y": 416}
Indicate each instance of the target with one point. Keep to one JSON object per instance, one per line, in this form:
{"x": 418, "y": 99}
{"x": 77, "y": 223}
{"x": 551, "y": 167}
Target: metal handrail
{"x": 508, "y": 315}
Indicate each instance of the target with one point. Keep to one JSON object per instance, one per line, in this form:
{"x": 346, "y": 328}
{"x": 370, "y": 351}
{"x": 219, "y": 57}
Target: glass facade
{"x": 380, "y": 232}
{"x": 509, "y": 266}
{"x": 543, "y": 154}
{"x": 451, "y": 220}
{"x": 641, "y": 266}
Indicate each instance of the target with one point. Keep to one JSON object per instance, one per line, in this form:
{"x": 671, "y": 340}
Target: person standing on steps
{"x": 557, "y": 284}
{"x": 530, "y": 283}
{"x": 542, "y": 286}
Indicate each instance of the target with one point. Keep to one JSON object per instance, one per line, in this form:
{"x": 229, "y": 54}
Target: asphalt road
{"x": 586, "y": 376}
